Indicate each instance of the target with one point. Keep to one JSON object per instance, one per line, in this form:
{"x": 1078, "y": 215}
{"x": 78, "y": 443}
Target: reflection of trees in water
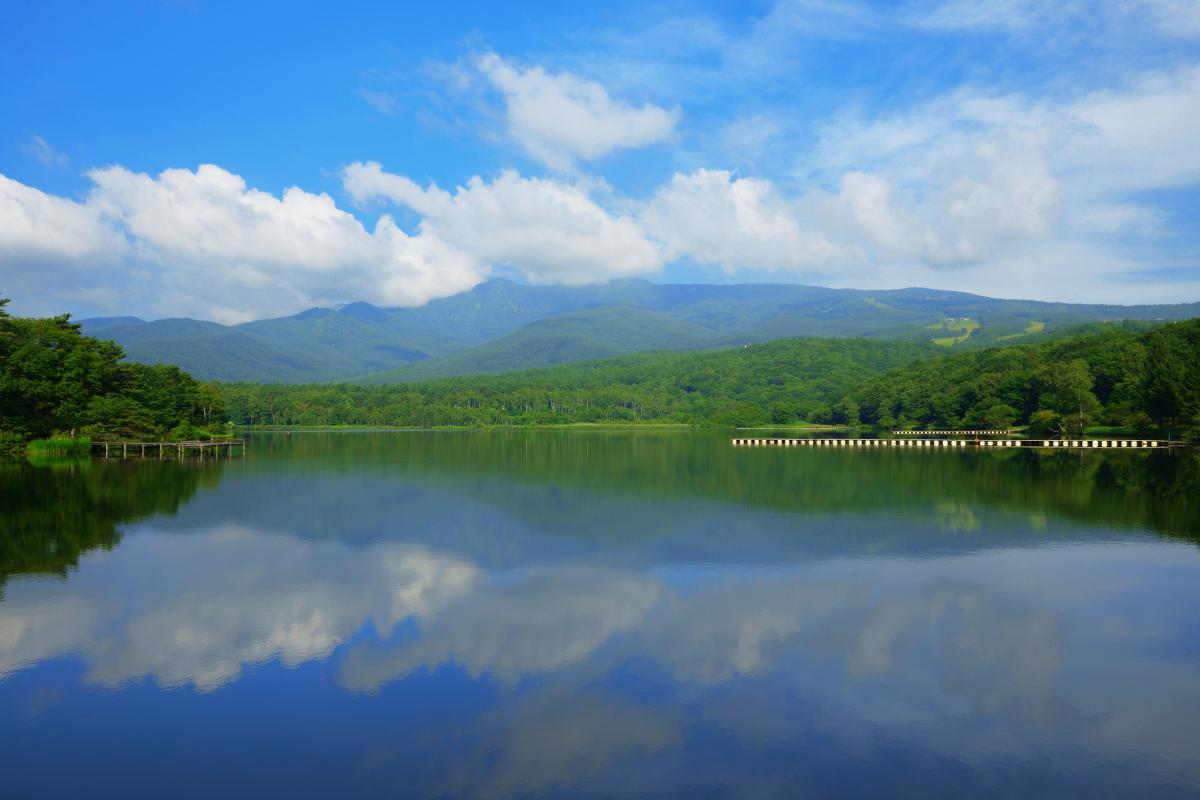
{"x": 1148, "y": 490}
{"x": 53, "y": 514}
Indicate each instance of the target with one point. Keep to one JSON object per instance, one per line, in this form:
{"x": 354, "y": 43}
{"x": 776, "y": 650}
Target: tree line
{"x": 56, "y": 381}
{"x": 1118, "y": 377}
{"x": 783, "y": 382}
{"x": 1122, "y": 377}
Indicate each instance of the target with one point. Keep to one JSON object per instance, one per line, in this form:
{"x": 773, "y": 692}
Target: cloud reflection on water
{"x": 979, "y": 657}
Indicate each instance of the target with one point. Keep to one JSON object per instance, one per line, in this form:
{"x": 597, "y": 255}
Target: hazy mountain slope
{"x": 577, "y": 336}
{"x": 360, "y": 339}
{"x": 212, "y": 351}
{"x": 95, "y": 325}
{"x": 499, "y": 307}
{"x": 319, "y": 344}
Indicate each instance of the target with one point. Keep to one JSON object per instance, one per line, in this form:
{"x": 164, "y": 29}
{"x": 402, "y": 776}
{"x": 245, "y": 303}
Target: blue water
{"x": 495, "y": 614}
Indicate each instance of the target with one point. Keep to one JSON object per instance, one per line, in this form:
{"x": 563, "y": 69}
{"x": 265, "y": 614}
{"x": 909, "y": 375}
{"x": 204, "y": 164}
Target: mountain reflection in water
{"x": 601, "y": 614}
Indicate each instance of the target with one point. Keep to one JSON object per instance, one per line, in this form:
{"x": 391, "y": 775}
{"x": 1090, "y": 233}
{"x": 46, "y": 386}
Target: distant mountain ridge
{"x": 501, "y": 325}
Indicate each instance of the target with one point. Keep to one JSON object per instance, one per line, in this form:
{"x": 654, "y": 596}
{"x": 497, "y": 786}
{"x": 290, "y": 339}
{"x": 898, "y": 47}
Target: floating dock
{"x": 1074, "y": 444}
{"x": 201, "y": 447}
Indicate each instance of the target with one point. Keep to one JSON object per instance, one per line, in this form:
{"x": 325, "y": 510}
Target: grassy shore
{"x": 59, "y": 447}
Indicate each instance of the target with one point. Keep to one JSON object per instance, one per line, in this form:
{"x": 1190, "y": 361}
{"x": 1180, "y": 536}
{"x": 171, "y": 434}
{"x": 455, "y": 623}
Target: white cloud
{"x": 1174, "y": 18}
{"x": 40, "y": 228}
{"x": 46, "y": 155}
{"x": 714, "y": 218}
{"x": 1171, "y": 17}
{"x": 1000, "y": 194}
{"x": 204, "y": 243}
{"x": 968, "y": 191}
{"x": 1142, "y": 137}
{"x": 550, "y": 231}
{"x": 991, "y": 15}
{"x": 562, "y": 118}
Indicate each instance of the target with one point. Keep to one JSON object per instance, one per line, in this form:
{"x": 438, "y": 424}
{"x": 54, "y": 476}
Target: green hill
{"x": 506, "y": 319}
{"x": 577, "y": 336}
{"x": 782, "y": 382}
{"x": 1119, "y": 376}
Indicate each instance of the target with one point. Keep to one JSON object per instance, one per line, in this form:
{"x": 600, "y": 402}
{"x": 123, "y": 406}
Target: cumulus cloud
{"x": 714, "y": 218}
{"x": 203, "y": 242}
{"x": 40, "y": 228}
{"x": 994, "y": 193}
{"x": 561, "y": 118}
{"x": 969, "y": 191}
{"x": 552, "y": 232}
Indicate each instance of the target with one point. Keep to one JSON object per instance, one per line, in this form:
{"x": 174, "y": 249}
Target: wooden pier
{"x": 983, "y": 432}
{"x": 201, "y": 447}
{"x": 865, "y": 444}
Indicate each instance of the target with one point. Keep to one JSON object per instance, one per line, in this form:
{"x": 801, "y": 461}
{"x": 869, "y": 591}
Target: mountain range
{"x": 501, "y": 325}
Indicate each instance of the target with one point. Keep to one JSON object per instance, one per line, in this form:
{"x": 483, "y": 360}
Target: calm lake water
{"x": 632, "y": 614}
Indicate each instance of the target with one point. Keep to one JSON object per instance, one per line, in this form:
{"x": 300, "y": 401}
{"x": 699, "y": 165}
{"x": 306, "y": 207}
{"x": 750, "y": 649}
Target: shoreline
{"x": 680, "y": 426}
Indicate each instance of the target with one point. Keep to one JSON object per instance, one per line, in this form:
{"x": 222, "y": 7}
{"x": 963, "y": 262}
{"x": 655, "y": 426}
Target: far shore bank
{"x": 1096, "y": 432}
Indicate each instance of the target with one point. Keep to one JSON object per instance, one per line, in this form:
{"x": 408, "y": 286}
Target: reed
{"x": 60, "y": 447}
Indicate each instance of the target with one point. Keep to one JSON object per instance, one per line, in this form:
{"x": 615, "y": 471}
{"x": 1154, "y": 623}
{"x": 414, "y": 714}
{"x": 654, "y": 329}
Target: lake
{"x": 600, "y": 614}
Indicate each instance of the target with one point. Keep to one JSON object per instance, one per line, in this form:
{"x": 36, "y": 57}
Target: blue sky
{"x": 231, "y": 161}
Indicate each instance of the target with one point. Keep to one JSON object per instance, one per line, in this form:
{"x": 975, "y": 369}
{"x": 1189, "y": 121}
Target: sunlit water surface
{"x": 634, "y": 614}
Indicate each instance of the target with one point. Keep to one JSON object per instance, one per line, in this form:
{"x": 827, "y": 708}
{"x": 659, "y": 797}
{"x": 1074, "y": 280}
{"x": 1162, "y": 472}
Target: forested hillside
{"x": 1117, "y": 377}
{"x": 781, "y": 382}
{"x": 578, "y": 336}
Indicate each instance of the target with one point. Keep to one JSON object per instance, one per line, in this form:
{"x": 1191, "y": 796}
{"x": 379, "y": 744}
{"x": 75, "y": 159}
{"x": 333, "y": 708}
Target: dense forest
{"x": 1118, "y": 377}
{"x": 778, "y": 383}
{"x": 54, "y": 380}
